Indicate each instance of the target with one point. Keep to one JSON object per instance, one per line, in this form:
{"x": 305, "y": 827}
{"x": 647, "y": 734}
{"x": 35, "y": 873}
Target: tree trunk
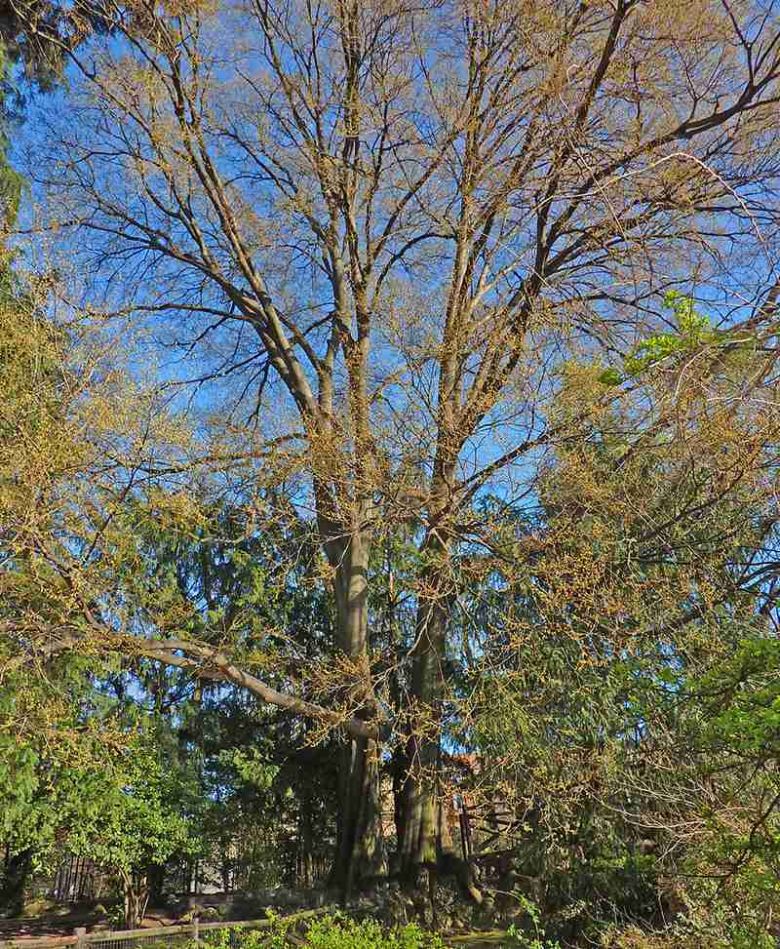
{"x": 421, "y": 845}
{"x": 304, "y": 871}
{"x": 136, "y": 897}
{"x": 13, "y": 883}
{"x": 425, "y": 845}
{"x": 360, "y": 855}
{"x": 360, "y": 847}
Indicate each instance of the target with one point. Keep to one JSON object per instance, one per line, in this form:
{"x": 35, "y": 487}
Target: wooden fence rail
{"x": 195, "y": 931}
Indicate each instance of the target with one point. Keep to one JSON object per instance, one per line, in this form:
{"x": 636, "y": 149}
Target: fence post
{"x": 196, "y": 930}
{"x": 80, "y": 933}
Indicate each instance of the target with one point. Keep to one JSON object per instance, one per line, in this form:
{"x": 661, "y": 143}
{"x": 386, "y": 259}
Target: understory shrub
{"x": 334, "y": 931}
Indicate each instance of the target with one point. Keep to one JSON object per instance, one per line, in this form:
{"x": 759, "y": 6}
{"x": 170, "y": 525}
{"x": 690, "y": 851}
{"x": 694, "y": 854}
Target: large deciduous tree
{"x": 397, "y": 219}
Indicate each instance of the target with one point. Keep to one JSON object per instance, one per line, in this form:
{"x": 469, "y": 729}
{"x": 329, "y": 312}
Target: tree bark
{"x": 425, "y": 845}
{"x": 136, "y": 897}
{"x": 360, "y": 853}
{"x": 422, "y": 843}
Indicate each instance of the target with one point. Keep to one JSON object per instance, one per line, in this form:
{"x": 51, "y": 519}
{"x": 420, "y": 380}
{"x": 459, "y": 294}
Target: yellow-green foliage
{"x": 692, "y": 330}
{"x": 331, "y": 932}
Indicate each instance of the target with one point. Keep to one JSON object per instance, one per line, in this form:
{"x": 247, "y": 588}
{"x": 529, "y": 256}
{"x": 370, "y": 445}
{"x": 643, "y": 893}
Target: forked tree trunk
{"x": 136, "y": 897}
{"x": 360, "y": 853}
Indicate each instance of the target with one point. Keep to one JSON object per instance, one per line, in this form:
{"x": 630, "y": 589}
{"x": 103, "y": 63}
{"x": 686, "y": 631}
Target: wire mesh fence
{"x": 179, "y": 937}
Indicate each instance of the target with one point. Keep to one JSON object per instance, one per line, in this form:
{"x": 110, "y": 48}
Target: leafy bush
{"x": 331, "y": 932}
{"x": 334, "y": 932}
{"x": 537, "y": 938}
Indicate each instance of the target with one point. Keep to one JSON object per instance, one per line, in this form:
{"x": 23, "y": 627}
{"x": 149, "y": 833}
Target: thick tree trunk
{"x": 425, "y": 845}
{"x": 360, "y": 855}
{"x": 422, "y": 843}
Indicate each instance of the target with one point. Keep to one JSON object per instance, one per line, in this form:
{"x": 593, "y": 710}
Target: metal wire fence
{"x": 179, "y": 937}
